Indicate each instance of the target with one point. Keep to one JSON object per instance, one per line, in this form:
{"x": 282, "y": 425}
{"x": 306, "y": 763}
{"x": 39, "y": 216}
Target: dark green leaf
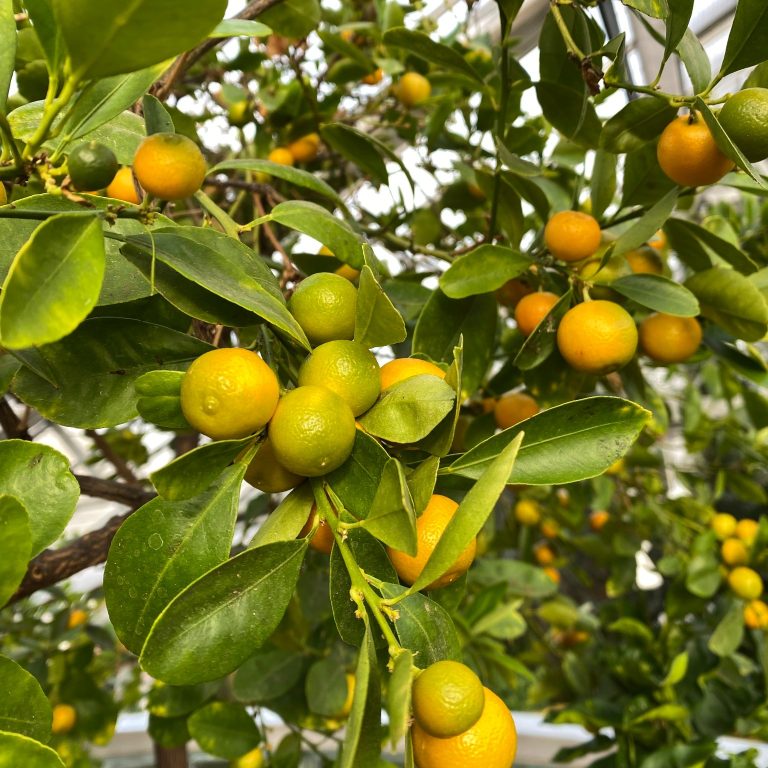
{"x": 377, "y": 322}
{"x": 636, "y": 124}
{"x": 292, "y": 18}
{"x": 748, "y": 38}
{"x": 24, "y": 708}
{"x": 399, "y": 696}
{"x": 729, "y": 632}
{"x": 359, "y": 148}
{"x": 47, "y": 31}
{"x": 677, "y": 25}
{"x": 267, "y": 675}
{"x": 17, "y": 750}
{"x": 54, "y": 281}
{"x": 326, "y": 687}
{"x": 217, "y": 622}
{"x": 570, "y": 111}
{"x": 17, "y": 551}
{"x": 697, "y": 246}
{"x": 603, "y": 186}
{"x": 156, "y": 116}
{"x": 176, "y": 700}
{"x": 7, "y": 50}
{"x": 695, "y": 60}
{"x": 224, "y": 729}
{"x": 482, "y": 270}
{"x": 658, "y": 293}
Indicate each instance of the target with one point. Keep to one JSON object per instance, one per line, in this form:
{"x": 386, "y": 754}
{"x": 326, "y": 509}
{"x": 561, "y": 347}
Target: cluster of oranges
{"x": 303, "y": 150}
{"x": 737, "y": 551}
{"x": 459, "y": 722}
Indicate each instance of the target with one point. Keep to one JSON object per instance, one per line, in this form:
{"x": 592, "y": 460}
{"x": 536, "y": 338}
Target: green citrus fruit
{"x": 745, "y": 119}
{"x": 324, "y": 305}
{"x": 267, "y": 474}
{"x": 92, "y": 166}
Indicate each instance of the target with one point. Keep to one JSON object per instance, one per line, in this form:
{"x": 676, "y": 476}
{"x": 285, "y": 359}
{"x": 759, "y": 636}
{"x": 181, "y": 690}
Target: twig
{"x": 289, "y": 271}
{"x": 117, "y": 461}
{"x": 11, "y": 424}
{"x": 132, "y": 495}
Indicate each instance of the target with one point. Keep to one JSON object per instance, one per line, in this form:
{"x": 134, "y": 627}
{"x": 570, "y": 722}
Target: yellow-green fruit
{"x": 64, "y": 719}
{"x": 413, "y": 89}
{"x": 724, "y": 525}
{"x": 745, "y": 119}
{"x": 3, "y": 195}
{"x": 745, "y": 583}
{"x": 267, "y": 474}
{"x": 325, "y": 306}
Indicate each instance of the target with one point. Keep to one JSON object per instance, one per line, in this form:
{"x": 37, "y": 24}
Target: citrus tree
{"x": 484, "y": 349}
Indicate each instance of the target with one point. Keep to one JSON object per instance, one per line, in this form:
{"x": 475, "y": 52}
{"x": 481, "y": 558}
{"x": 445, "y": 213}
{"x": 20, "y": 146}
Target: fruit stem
{"x": 9, "y": 143}
{"x": 229, "y": 225}
{"x": 49, "y": 115}
{"x": 570, "y": 43}
{"x": 360, "y": 584}
{"x": 501, "y": 119}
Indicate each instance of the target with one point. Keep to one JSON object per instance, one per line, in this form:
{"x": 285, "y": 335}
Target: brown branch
{"x": 132, "y": 495}
{"x": 186, "y": 60}
{"x": 289, "y": 271}
{"x": 10, "y": 422}
{"x": 117, "y": 461}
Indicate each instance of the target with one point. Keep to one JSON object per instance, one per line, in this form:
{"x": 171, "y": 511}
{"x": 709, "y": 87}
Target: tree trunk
{"x": 171, "y": 757}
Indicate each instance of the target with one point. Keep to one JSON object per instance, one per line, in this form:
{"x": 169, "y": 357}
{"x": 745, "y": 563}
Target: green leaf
{"x": 399, "y": 696}
{"x": 521, "y": 579}
{"x": 105, "y": 100}
{"x": 156, "y": 116}
{"x": 39, "y": 477}
{"x": 698, "y": 247}
{"x": 470, "y": 517}
{"x": 54, "y": 281}
{"x": 391, "y": 518}
{"x": 17, "y": 750}
{"x": 603, "y": 183}
{"x": 421, "y": 483}
{"x": 667, "y": 712}
{"x": 570, "y": 111}
{"x": 422, "y": 45}
{"x": 267, "y": 675}
{"x": 292, "y": 18}
{"x": 286, "y": 522}
{"x": 442, "y": 323}
{"x": 217, "y": 622}
{"x": 96, "y": 367}
{"x": 47, "y": 31}
{"x": 177, "y": 700}
{"x": 191, "y": 473}
{"x": 362, "y": 742}
{"x": 240, "y": 28}
{"x": 703, "y": 576}
{"x": 540, "y": 344}
{"x": 684, "y": 755}
{"x": 647, "y": 226}
{"x": 162, "y": 548}
{"x": 695, "y": 60}
{"x": 424, "y": 627}
{"x": 677, "y": 669}
{"x": 159, "y": 400}
{"x": 729, "y": 632}
{"x": 223, "y": 266}
{"x": 636, "y": 124}
{"x": 658, "y": 293}
{"x": 224, "y": 729}
{"x": 748, "y": 38}
{"x": 644, "y": 182}
{"x": 564, "y": 444}
{"x": 731, "y": 301}
{"x": 502, "y": 623}
{"x": 295, "y": 176}
{"x": 409, "y": 410}
{"x": 316, "y": 222}
{"x": 377, "y": 322}
{"x": 102, "y": 43}
{"x": 326, "y": 687}
{"x": 677, "y": 25}
{"x": 655, "y": 8}
{"x": 7, "y": 49}
{"x": 439, "y": 441}
{"x": 359, "y": 148}
{"x": 17, "y": 551}
{"x": 482, "y": 270}
{"x": 24, "y": 708}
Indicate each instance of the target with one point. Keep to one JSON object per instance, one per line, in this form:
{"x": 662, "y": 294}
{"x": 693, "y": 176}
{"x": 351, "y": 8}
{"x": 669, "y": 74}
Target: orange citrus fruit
{"x": 490, "y": 743}
{"x": 281, "y": 156}
{"x": 745, "y": 583}
{"x": 527, "y": 512}
{"x": 403, "y": 368}
{"x": 512, "y": 408}
{"x": 746, "y": 530}
{"x": 513, "y": 291}
{"x": 645, "y": 260}
{"x": 549, "y": 528}
{"x": 544, "y": 554}
{"x": 267, "y": 474}
{"x": 305, "y": 149}
{"x": 429, "y": 530}
{"x": 325, "y": 306}
{"x": 756, "y": 614}
{"x": 532, "y": 309}
{"x": 688, "y": 154}
{"x": 252, "y": 759}
{"x": 347, "y": 368}
{"x": 744, "y": 118}
{"x": 64, "y": 718}
{"x": 597, "y": 337}
{"x": 123, "y": 187}
{"x": 322, "y": 538}
{"x": 312, "y": 431}
{"x": 447, "y": 699}
{"x": 229, "y": 393}
{"x": 724, "y": 525}
{"x": 169, "y": 166}
{"x": 668, "y": 338}
{"x": 77, "y": 618}
{"x": 572, "y": 235}
{"x": 345, "y": 270}
{"x": 412, "y": 89}
{"x": 553, "y": 573}
{"x": 734, "y": 552}
{"x": 375, "y": 77}
{"x": 599, "y": 519}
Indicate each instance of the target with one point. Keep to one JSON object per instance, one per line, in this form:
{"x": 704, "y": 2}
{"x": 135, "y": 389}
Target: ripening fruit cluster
{"x": 303, "y": 150}
{"x": 459, "y": 722}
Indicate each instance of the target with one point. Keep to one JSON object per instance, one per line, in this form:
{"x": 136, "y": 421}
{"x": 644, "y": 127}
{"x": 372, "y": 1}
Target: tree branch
{"x": 114, "y": 458}
{"x": 11, "y": 423}
{"x": 186, "y": 60}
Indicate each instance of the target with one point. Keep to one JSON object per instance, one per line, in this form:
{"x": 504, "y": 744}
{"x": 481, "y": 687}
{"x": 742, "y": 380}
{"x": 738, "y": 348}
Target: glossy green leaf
{"x": 326, "y": 687}
{"x": 240, "y": 28}
{"x": 24, "y": 708}
{"x": 159, "y": 399}
{"x": 442, "y": 323}
{"x": 267, "y": 675}
{"x": 540, "y": 344}
{"x": 359, "y": 148}
{"x": 316, "y": 222}
{"x": 391, "y": 518}
{"x": 644, "y": 182}
{"x": 286, "y": 522}
{"x": 482, "y": 270}
{"x": 521, "y": 579}
{"x": 603, "y": 185}
{"x": 377, "y": 322}
{"x": 177, "y": 700}
{"x": 658, "y": 293}
{"x": 440, "y": 440}
{"x": 636, "y": 124}
{"x": 192, "y": 472}
{"x": 293, "y": 18}
{"x": 156, "y": 117}
{"x": 17, "y": 750}
{"x": 362, "y": 740}
{"x": 409, "y": 410}
{"x": 748, "y": 38}
{"x": 102, "y": 43}
{"x": 106, "y": 100}
{"x": 655, "y": 8}
{"x": 7, "y": 49}
{"x": 731, "y": 301}
{"x": 421, "y": 45}
{"x": 399, "y": 695}
{"x": 646, "y": 227}
{"x": 39, "y": 477}
{"x": 295, "y": 176}
{"x": 570, "y": 112}
{"x": 421, "y": 483}
{"x": 54, "y": 281}
{"x": 96, "y": 367}
{"x": 47, "y": 31}
{"x": 695, "y": 60}
{"x": 698, "y": 247}
{"x": 162, "y": 548}
{"x": 471, "y": 515}
{"x": 217, "y": 622}
{"x": 504, "y": 622}
{"x": 16, "y": 551}
{"x": 424, "y": 627}
{"x": 564, "y": 444}
{"x": 677, "y": 25}
{"x": 224, "y": 729}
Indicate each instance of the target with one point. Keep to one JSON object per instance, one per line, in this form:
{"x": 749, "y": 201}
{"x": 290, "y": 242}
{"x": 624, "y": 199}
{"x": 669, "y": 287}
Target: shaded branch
{"x": 10, "y": 422}
{"x": 114, "y": 458}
